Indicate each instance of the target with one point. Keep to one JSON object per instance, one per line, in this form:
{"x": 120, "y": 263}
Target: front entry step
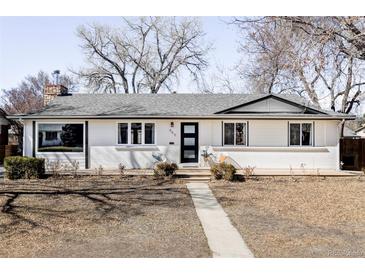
{"x": 195, "y": 178}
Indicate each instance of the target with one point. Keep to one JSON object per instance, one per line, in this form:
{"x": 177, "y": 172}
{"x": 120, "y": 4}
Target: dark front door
{"x": 189, "y": 142}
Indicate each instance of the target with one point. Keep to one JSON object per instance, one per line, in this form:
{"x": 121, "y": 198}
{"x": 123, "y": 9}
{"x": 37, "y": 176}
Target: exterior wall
{"x": 268, "y": 145}
{"x": 270, "y": 105}
{"x": 285, "y": 158}
{"x": 64, "y": 157}
{"x": 105, "y": 151}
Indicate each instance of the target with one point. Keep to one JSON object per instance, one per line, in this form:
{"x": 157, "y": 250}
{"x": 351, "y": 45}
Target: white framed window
{"x": 136, "y": 133}
{"x": 235, "y": 134}
{"x": 301, "y": 134}
{"x": 149, "y": 133}
{"x": 122, "y": 133}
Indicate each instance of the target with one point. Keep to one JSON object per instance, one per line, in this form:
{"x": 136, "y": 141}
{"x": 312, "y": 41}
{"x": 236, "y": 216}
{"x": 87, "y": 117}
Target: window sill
{"x": 59, "y": 152}
{"x": 136, "y": 148}
{"x": 269, "y": 149}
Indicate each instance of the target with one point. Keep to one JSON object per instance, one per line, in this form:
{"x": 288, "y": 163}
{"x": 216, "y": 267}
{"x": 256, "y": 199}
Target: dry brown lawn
{"x": 298, "y": 217}
{"x": 99, "y": 217}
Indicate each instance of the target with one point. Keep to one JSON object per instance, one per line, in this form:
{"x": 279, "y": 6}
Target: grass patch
{"x": 309, "y": 217}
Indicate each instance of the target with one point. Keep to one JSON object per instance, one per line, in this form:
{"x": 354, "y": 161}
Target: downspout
{"x": 342, "y": 125}
{"x": 23, "y": 137}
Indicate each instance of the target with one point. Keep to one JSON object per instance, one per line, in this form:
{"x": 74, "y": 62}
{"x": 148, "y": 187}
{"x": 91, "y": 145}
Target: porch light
{"x": 172, "y": 124}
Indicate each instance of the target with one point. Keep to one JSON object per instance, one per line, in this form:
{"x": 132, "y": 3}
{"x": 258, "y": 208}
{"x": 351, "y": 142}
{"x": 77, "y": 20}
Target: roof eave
{"x": 277, "y": 98}
{"x": 215, "y": 116}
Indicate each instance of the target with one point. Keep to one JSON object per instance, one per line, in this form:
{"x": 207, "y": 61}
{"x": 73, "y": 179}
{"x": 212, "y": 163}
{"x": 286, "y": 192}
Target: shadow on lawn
{"x": 36, "y": 204}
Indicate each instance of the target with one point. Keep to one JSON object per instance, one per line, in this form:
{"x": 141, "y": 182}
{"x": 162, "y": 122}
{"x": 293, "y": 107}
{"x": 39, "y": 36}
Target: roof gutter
{"x": 220, "y": 117}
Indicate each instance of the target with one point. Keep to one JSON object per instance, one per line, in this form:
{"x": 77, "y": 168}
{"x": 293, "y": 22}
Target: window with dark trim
{"x": 139, "y": 133}
{"x": 149, "y": 133}
{"x": 136, "y": 133}
{"x": 300, "y": 134}
{"x": 235, "y": 134}
{"x": 55, "y": 137}
{"x": 229, "y": 133}
{"x": 123, "y": 133}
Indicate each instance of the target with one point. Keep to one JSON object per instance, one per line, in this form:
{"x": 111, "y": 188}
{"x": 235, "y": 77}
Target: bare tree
{"x": 28, "y": 97}
{"x": 145, "y": 55}
{"x": 348, "y": 32}
{"x": 285, "y": 56}
{"x": 222, "y": 80}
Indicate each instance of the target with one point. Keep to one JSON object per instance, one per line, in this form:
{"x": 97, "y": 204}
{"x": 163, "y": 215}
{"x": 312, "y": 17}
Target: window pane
{"x": 60, "y": 137}
{"x": 189, "y": 141}
{"x": 241, "y": 134}
{"x": 294, "y": 134}
{"x": 189, "y": 154}
{"x": 123, "y": 133}
{"x": 307, "y": 134}
{"x": 189, "y": 129}
{"x": 229, "y": 133}
{"x": 149, "y": 133}
{"x": 51, "y": 135}
{"x": 136, "y": 133}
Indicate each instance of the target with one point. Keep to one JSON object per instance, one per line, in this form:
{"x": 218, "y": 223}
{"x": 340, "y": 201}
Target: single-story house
{"x": 138, "y": 130}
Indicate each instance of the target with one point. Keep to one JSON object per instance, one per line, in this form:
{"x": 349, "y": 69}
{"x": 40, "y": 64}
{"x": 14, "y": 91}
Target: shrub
{"x": 75, "y": 166}
{"x": 165, "y": 169}
{"x": 248, "y": 172}
{"x": 19, "y": 167}
{"x": 223, "y": 171}
{"x": 55, "y": 167}
{"x": 121, "y": 168}
{"x": 99, "y": 170}
{"x": 216, "y": 171}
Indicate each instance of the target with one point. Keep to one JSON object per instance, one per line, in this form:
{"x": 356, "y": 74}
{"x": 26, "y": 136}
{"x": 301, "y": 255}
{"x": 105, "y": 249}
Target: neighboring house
{"x": 49, "y": 135}
{"x": 137, "y": 130}
{"x": 4, "y": 127}
{"x": 360, "y": 131}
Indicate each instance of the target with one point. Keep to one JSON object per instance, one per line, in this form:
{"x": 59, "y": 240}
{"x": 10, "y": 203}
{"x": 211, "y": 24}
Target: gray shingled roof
{"x": 153, "y": 104}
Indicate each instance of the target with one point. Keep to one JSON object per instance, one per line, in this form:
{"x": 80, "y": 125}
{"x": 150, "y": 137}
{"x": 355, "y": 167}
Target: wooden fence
{"x": 7, "y": 150}
{"x": 352, "y": 153}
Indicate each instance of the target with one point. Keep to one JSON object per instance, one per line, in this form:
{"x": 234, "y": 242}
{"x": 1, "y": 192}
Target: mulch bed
{"x": 99, "y": 216}
{"x": 298, "y": 216}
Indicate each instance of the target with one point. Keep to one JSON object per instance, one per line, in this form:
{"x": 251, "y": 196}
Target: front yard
{"x": 137, "y": 216}
{"x": 99, "y": 217}
{"x": 298, "y": 217}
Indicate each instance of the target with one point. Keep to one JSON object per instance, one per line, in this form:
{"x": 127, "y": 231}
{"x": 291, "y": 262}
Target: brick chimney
{"x": 55, "y": 89}
{"x": 51, "y": 91}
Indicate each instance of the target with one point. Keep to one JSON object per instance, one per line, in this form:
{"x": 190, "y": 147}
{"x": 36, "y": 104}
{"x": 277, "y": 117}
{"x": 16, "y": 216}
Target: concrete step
{"x": 192, "y": 171}
{"x": 195, "y": 179}
{"x": 189, "y": 175}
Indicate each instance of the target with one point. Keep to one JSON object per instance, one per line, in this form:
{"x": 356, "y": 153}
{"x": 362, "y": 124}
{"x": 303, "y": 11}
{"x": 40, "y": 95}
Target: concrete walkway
{"x": 223, "y": 238}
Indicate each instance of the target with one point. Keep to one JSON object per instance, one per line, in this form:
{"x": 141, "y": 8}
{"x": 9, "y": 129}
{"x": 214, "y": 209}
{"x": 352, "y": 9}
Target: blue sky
{"x": 30, "y": 44}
